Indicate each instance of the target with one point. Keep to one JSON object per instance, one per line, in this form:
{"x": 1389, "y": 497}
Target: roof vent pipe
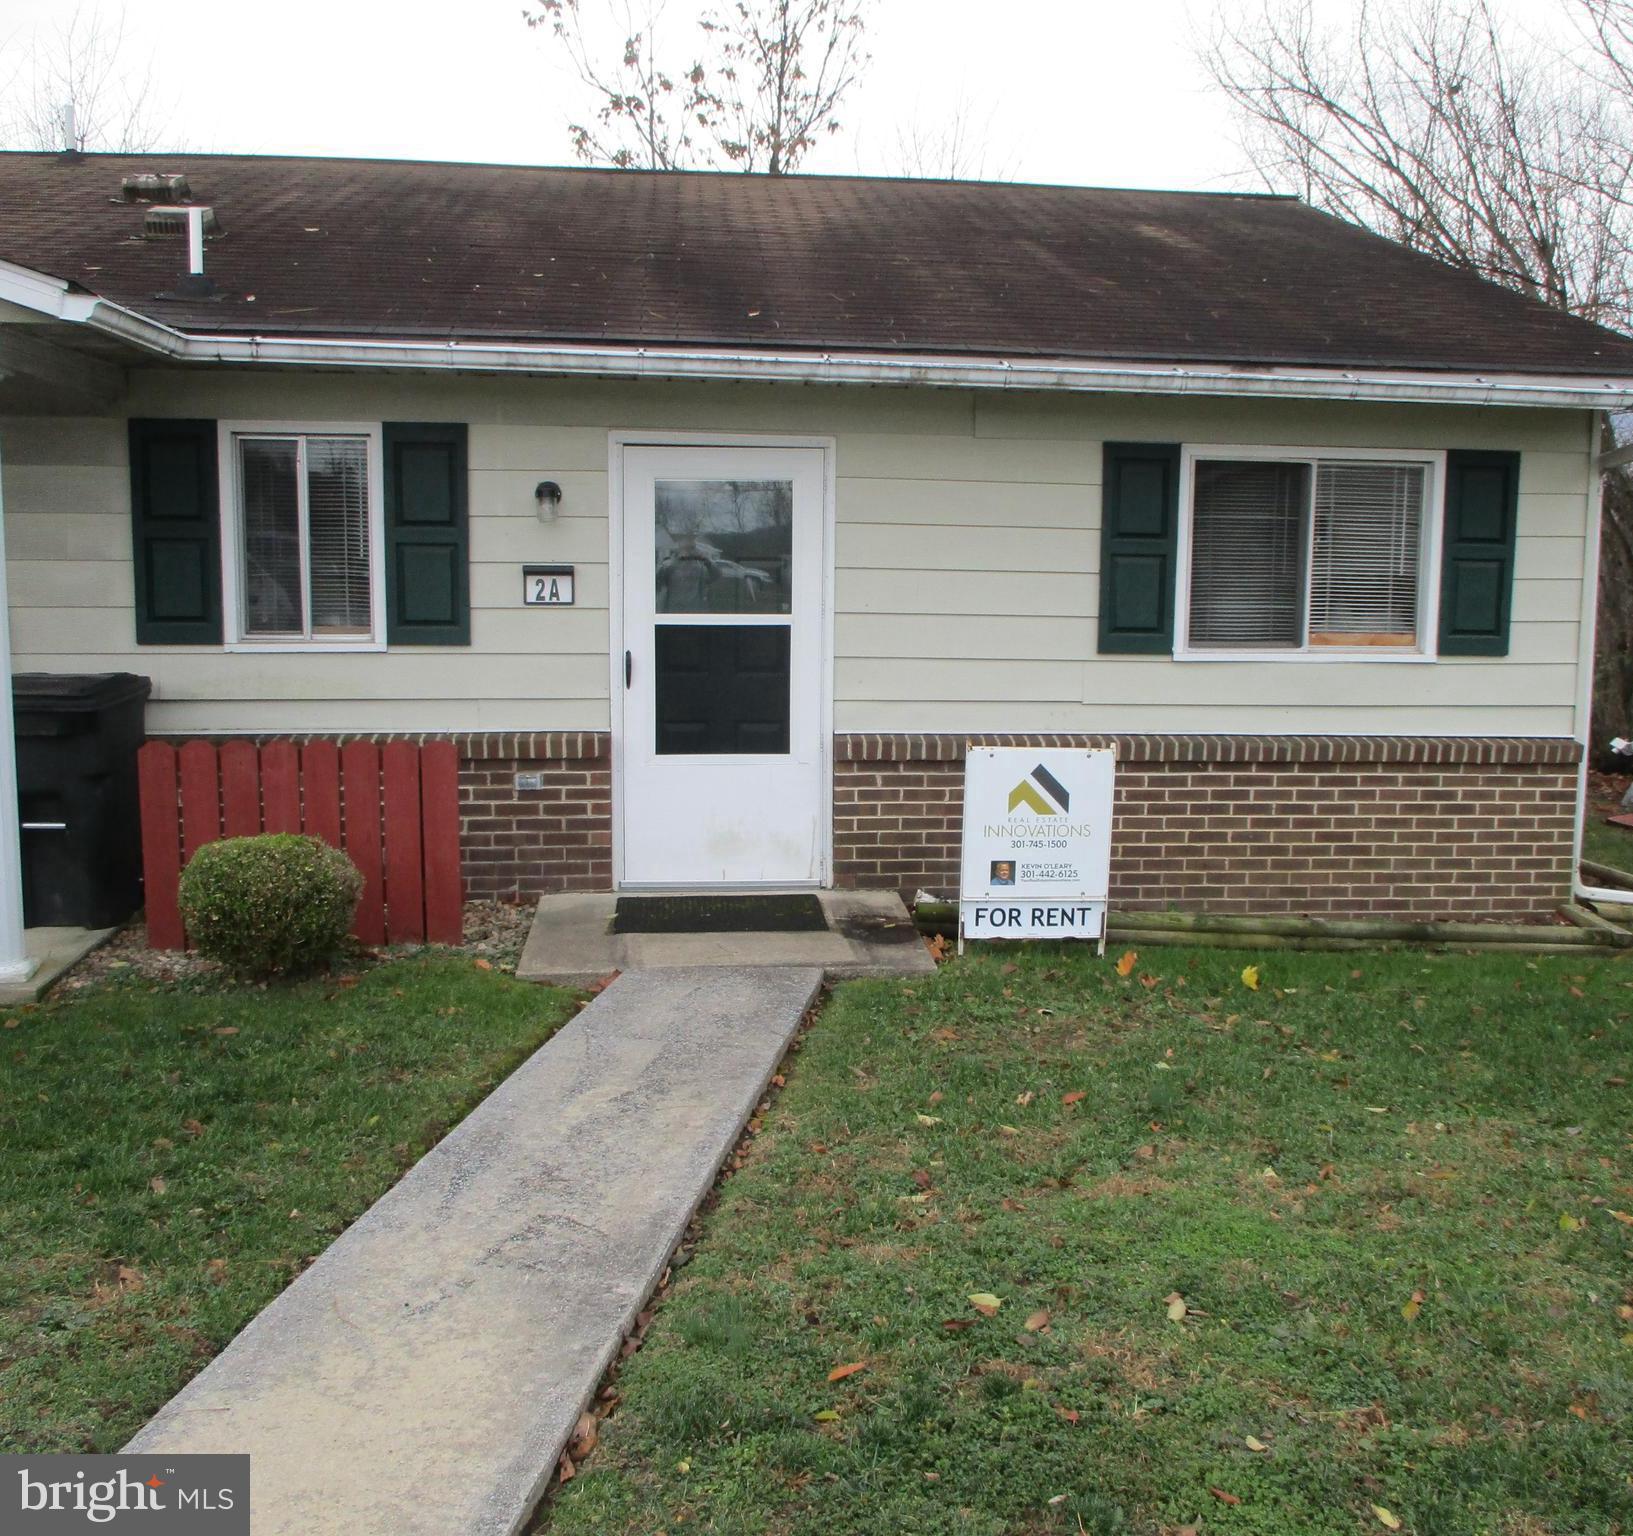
{"x": 195, "y": 241}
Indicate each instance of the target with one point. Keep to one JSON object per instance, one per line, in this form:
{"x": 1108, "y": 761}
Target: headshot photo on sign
{"x": 1003, "y": 872}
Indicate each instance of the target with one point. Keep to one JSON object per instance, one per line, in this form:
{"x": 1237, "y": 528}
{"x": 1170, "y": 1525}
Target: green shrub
{"x": 280, "y": 904}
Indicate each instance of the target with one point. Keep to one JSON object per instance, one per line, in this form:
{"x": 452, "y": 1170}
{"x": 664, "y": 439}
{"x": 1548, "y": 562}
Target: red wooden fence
{"x": 393, "y": 809}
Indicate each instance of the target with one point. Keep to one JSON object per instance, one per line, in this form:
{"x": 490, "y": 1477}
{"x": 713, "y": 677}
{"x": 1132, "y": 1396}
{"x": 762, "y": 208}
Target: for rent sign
{"x": 1037, "y": 843}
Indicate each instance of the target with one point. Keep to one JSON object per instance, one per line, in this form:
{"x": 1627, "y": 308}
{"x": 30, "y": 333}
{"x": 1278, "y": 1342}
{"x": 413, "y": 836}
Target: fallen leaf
{"x": 1176, "y": 1307}
{"x": 840, "y": 1372}
{"x": 565, "y": 1470}
{"x": 1008, "y": 1130}
{"x": 1070, "y": 1415}
{"x": 1076, "y": 1096}
{"x": 1623, "y": 1217}
{"x": 827, "y": 1416}
{"x": 1223, "y": 1497}
{"x": 193, "y": 1127}
{"x": 1023, "y": 1099}
{"x": 1250, "y": 977}
{"x": 937, "y": 947}
{"x": 929, "y": 1119}
{"x": 216, "y": 1271}
{"x": 1390, "y": 1522}
{"x": 481, "y": 965}
{"x": 1253, "y": 1443}
{"x": 1129, "y": 959}
{"x": 585, "y": 1433}
{"x": 157, "y": 1185}
{"x": 1038, "y": 1321}
{"x": 1569, "y": 1223}
{"x": 228, "y": 1029}
{"x": 958, "y": 1324}
{"x": 130, "y": 1279}
{"x": 985, "y": 1303}
{"x": 1413, "y": 1306}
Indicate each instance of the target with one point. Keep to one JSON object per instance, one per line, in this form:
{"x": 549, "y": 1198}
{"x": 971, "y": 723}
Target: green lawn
{"x": 1606, "y": 844}
{"x": 1380, "y": 1186}
{"x": 170, "y": 1159}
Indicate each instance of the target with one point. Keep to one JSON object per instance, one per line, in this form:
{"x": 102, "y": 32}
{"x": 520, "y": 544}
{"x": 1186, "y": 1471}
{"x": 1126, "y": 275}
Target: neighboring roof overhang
{"x": 54, "y": 298}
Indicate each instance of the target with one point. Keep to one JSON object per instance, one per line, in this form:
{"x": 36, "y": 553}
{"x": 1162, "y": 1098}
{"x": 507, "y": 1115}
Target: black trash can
{"x": 77, "y": 738}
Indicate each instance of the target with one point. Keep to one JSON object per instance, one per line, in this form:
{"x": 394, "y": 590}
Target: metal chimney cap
{"x": 152, "y": 187}
{"x": 173, "y": 221}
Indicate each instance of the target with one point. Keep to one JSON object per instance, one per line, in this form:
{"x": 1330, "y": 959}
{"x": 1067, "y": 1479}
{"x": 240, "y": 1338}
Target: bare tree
{"x": 1432, "y": 123}
{"x": 1439, "y": 124}
{"x": 763, "y": 88}
{"x": 77, "y": 81}
{"x": 954, "y": 149}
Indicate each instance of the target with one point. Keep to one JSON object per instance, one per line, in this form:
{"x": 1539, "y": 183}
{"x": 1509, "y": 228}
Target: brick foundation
{"x": 1342, "y": 825}
{"x": 525, "y": 842}
{"x": 1352, "y": 826}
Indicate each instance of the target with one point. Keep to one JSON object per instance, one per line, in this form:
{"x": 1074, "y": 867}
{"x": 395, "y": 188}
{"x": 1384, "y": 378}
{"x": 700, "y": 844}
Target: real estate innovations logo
{"x": 134, "y": 1495}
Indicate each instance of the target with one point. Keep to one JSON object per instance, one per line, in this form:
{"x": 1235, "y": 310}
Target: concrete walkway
{"x": 423, "y": 1376}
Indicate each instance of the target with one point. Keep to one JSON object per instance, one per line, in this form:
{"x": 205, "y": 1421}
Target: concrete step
{"x": 869, "y": 933}
{"x": 422, "y": 1377}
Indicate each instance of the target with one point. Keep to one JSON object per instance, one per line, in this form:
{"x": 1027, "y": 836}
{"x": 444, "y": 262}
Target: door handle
{"x": 629, "y": 667}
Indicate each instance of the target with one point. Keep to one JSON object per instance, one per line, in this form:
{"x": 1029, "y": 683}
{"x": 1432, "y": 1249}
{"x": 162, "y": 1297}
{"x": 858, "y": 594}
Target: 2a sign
{"x": 547, "y": 586}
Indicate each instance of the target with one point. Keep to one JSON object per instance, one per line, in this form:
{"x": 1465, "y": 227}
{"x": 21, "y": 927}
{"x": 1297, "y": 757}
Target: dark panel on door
{"x": 722, "y": 688}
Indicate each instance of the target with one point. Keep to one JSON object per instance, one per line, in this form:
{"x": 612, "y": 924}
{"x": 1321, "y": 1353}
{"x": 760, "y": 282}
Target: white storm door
{"x": 723, "y": 669}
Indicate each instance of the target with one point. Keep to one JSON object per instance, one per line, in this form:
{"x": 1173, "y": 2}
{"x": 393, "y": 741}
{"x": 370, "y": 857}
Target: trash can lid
{"x": 76, "y": 692}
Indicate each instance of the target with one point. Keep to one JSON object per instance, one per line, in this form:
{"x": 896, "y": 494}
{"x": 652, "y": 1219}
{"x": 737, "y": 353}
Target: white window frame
{"x": 1433, "y": 459}
{"x": 232, "y": 535}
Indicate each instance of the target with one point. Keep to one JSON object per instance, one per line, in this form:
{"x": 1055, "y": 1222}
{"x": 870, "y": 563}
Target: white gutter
{"x": 52, "y": 296}
{"x": 1587, "y": 649}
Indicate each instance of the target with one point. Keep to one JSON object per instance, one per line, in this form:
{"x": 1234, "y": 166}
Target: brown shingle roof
{"x": 385, "y": 248}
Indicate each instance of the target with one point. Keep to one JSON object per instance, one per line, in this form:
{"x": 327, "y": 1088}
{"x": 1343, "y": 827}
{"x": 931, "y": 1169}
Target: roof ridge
{"x": 705, "y": 173}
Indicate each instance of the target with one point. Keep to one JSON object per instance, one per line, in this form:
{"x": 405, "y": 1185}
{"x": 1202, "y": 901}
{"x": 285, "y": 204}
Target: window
{"x": 1307, "y": 556}
{"x": 305, "y": 538}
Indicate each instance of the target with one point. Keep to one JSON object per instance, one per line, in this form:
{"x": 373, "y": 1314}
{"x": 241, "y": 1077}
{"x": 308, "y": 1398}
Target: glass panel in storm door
{"x": 724, "y": 546}
{"x": 721, "y": 688}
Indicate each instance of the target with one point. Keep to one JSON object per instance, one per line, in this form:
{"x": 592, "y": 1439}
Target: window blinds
{"x": 1288, "y": 555}
{"x": 338, "y": 534}
{"x": 1247, "y": 554}
{"x": 1366, "y": 533}
{"x": 305, "y": 522}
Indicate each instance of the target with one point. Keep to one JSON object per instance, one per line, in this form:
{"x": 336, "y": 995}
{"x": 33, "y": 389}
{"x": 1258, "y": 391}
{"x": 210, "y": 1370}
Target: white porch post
{"x": 14, "y": 962}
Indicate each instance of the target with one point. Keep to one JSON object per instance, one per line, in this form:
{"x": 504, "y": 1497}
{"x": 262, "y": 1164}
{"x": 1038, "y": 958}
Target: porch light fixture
{"x": 548, "y": 496}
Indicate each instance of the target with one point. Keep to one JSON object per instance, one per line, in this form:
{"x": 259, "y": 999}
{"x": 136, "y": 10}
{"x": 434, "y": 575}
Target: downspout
{"x": 15, "y": 965}
{"x": 1585, "y": 665}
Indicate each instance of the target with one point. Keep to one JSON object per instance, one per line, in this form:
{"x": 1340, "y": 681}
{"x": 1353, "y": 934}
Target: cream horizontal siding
{"x": 966, "y": 559}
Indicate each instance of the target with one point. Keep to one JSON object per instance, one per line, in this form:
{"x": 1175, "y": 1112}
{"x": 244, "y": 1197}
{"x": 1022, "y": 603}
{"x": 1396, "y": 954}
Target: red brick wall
{"x": 524, "y": 842}
{"x": 1350, "y": 826}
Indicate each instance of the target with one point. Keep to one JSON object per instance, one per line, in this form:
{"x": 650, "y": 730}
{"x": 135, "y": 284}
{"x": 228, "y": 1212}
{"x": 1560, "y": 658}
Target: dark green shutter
{"x": 175, "y": 510}
{"x": 428, "y": 598}
{"x": 1139, "y": 531}
{"x": 1477, "y": 552}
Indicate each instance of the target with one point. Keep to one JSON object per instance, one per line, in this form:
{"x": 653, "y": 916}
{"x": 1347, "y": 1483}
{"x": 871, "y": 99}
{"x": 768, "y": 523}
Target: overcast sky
{"x": 1096, "y": 92}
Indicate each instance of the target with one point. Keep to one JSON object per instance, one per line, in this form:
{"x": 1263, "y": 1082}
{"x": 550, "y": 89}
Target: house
{"x": 840, "y": 475}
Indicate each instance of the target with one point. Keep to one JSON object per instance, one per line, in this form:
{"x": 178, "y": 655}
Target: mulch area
{"x": 1605, "y": 791}
{"x": 494, "y": 931}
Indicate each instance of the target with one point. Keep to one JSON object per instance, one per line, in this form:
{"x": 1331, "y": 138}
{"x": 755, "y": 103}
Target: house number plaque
{"x": 547, "y": 586}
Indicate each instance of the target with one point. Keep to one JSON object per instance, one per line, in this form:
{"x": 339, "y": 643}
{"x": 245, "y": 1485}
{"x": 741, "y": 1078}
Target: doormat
{"x": 719, "y": 914}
